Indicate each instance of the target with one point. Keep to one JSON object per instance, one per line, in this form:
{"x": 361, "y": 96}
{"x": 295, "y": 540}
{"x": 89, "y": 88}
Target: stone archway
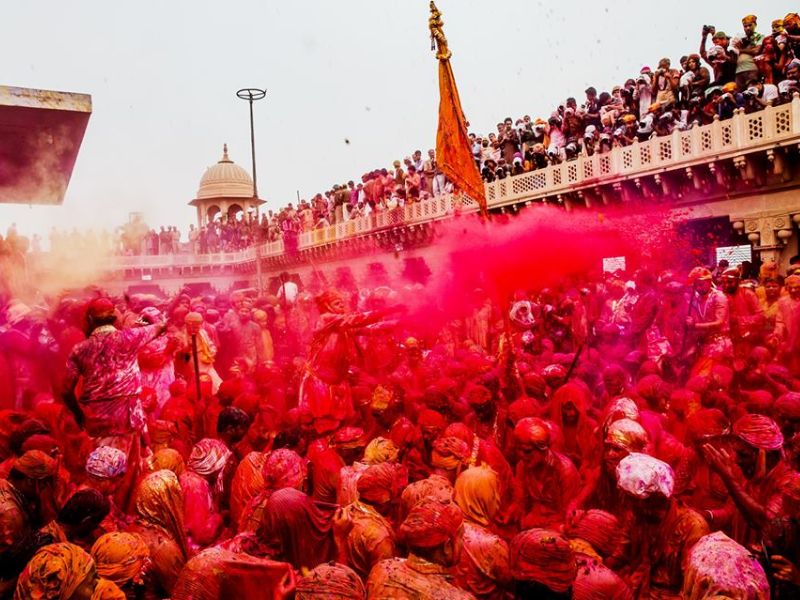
{"x": 234, "y": 212}
{"x": 212, "y": 213}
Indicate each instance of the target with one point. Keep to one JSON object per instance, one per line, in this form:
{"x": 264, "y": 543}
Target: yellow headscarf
{"x": 159, "y": 503}
{"x": 107, "y": 590}
{"x": 120, "y": 557}
{"x": 54, "y": 573}
{"x": 478, "y": 494}
{"x": 380, "y": 450}
{"x": 169, "y": 459}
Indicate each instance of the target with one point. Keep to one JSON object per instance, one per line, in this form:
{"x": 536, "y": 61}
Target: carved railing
{"x": 742, "y": 134}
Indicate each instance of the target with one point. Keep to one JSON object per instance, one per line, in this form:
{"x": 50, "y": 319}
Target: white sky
{"x": 163, "y": 77}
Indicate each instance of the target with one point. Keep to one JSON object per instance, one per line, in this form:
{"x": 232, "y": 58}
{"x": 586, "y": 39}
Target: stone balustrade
{"x": 730, "y": 139}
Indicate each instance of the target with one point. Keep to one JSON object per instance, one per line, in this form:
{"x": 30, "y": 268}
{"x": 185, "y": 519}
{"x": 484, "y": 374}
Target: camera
{"x": 751, "y": 92}
{"x": 709, "y": 29}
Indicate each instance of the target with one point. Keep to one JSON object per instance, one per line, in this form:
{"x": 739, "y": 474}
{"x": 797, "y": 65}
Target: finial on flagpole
{"x": 438, "y": 39}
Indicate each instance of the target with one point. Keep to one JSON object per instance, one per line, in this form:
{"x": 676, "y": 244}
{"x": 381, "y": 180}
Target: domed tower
{"x": 226, "y": 189}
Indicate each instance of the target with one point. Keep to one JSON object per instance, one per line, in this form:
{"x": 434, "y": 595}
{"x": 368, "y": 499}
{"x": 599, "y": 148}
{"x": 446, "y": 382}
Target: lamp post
{"x": 251, "y": 95}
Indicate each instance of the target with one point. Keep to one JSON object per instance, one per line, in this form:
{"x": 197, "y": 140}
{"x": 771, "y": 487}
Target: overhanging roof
{"x": 40, "y": 134}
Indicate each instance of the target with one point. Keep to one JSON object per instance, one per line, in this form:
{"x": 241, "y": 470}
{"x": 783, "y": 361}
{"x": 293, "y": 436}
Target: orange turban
{"x": 545, "y": 557}
{"x": 54, "y": 572}
{"x": 627, "y": 434}
{"x": 170, "y": 459}
{"x": 120, "y": 557}
{"x": 107, "y": 590}
{"x": 435, "y": 487}
{"x": 747, "y": 19}
{"x": 431, "y": 523}
{"x": 349, "y": 438}
{"x": 35, "y": 464}
{"x": 449, "y": 453}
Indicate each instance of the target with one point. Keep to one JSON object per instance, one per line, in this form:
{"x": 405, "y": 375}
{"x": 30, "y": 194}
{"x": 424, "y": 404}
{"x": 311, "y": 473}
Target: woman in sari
{"x": 484, "y": 565}
{"x": 282, "y": 468}
{"x": 159, "y": 521}
{"x": 297, "y": 530}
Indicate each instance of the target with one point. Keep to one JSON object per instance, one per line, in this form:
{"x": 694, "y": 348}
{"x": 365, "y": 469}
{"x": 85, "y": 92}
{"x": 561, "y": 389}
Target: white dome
{"x": 225, "y": 180}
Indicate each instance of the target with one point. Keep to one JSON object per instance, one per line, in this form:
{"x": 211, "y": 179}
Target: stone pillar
{"x": 769, "y": 235}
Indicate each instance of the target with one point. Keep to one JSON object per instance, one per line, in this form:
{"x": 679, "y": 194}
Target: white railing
{"x": 742, "y": 134}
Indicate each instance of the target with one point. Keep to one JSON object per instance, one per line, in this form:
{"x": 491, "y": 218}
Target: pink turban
{"x": 759, "y": 431}
{"x": 431, "y": 523}
{"x": 208, "y": 457}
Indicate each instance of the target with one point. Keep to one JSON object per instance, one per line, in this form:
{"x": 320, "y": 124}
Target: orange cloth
{"x": 54, "y": 572}
{"x": 247, "y": 482}
{"x": 120, "y": 557}
{"x": 453, "y": 148}
{"x": 107, "y": 590}
{"x": 159, "y": 503}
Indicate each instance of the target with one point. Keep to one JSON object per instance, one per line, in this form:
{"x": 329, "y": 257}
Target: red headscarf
{"x": 431, "y": 523}
{"x": 545, "y": 557}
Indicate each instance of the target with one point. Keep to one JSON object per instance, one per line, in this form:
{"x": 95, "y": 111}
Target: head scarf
{"x": 477, "y": 494}
{"x": 627, "y": 434}
{"x": 705, "y": 423}
{"x": 107, "y": 590}
{"x": 349, "y": 438}
{"x": 599, "y": 528}
{"x": 788, "y": 406}
{"x": 380, "y": 450}
{"x": 641, "y": 476}
{"x": 544, "y": 557}
{"x": 159, "y": 503}
{"x": 296, "y": 529}
{"x": 248, "y": 481}
{"x": 522, "y": 408}
{"x": 120, "y": 557}
{"x": 170, "y": 459}
{"x": 35, "y": 464}
{"x": 54, "y": 573}
{"x": 435, "y": 487}
{"x": 622, "y": 408}
{"x": 759, "y": 431}
{"x": 430, "y": 419}
{"x": 380, "y": 483}
{"x": 106, "y": 462}
{"x": 330, "y": 581}
{"x": 449, "y": 453}
{"x": 326, "y": 469}
{"x": 718, "y": 565}
{"x": 284, "y": 468}
{"x": 532, "y": 430}
{"x": 208, "y": 457}
{"x": 431, "y": 523}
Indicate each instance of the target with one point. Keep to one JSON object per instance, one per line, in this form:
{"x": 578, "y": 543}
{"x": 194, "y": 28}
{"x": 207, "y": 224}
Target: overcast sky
{"x": 163, "y": 77}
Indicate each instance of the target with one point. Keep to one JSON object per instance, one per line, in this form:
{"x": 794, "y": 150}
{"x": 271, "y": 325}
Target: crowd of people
{"x": 631, "y": 435}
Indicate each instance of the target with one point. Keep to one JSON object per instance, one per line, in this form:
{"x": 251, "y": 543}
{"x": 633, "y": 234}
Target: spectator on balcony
{"x": 696, "y": 78}
{"x": 643, "y": 90}
{"x": 508, "y": 141}
{"x": 665, "y": 83}
{"x": 412, "y": 184}
{"x": 759, "y": 95}
{"x": 399, "y": 175}
{"x": 720, "y": 56}
{"x": 747, "y": 48}
{"x": 591, "y": 107}
{"x": 774, "y": 54}
{"x": 555, "y": 151}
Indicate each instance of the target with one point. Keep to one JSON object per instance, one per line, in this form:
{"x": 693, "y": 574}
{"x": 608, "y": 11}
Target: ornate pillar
{"x": 769, "y": 234}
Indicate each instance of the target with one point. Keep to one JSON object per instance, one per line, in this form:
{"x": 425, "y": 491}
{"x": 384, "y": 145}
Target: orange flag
{"x": 453, "y": 147}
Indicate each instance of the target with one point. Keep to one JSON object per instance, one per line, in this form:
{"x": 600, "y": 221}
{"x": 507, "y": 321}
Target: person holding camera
{"x": 747, "y": 48}
{"x": 665, "y": 83}
{"x": 759, "y": 95}
{"x": 720, "y": 57}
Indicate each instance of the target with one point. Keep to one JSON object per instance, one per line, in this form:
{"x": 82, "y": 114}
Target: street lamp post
{"x": 251, "y": 95}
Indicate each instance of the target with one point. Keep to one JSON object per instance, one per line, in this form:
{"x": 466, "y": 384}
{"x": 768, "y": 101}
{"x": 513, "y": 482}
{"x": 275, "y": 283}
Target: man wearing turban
{"x": 757, "y": 499}
{"x": 545, "y": 480}
{"x": 122, "y": 558}
{"x": 543, "y": 564}
{"x": 432, "y": 531}
{"x": 330, "y": 581}
{"x": 365, "y": 533}
{"x": 747, "y": 46}
{"x": 202, "y": 490}
{"x": 708, "y": 323}
{"x": 26, "y": 497}
{"x": 662, "y": 531}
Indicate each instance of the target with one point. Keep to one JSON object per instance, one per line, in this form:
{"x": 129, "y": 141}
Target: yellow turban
{"x": 380, "y": 450}
{"x": 746, "y": 20}
{"x": 120, "y": 557}
{"x": 478, "y": 494}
